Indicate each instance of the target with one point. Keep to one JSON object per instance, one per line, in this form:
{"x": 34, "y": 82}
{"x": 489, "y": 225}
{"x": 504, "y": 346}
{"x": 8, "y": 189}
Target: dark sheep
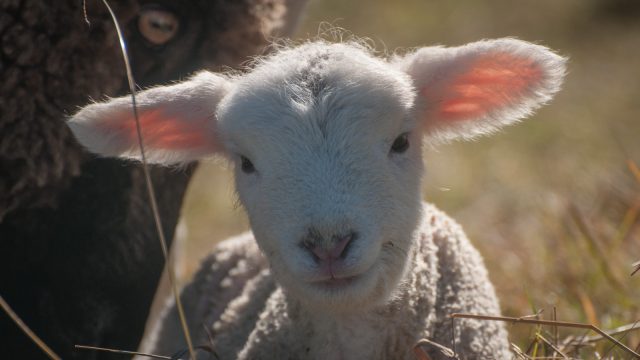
{"x": 81, "y": 259}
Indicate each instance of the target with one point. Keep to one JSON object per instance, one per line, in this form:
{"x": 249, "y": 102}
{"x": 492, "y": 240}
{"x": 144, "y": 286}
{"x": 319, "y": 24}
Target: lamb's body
{"x": 235, "y": 297}
{"x": 327, "y": 139}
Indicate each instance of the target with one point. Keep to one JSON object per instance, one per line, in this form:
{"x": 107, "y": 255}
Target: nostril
{"x": 320, "y": 254}
{"x": 323, "y": 250}
{"x": 339, "y": 249}
{"x": 352, "y": 236}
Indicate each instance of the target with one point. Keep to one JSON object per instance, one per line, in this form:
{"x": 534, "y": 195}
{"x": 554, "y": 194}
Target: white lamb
{"x": 327, "y": 142}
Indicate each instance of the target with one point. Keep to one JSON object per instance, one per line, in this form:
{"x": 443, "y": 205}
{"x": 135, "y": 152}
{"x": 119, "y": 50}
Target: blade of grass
{"x": 536, "y": 343}
{"x": 149, "y": 183}
{"x": 532, "y": 348}
{"x": 635, "y": 170}
{"x": 629, "y": 219}
{"x": 553, "y": 347}
{"x": 547, "y": 322}
{"x": 519, "y": 352}
{"x": 566, "y": 343}
{"x": 613, "y": 332}
{"x": 624, "y": 334}
{"x": 16, "y": 319}
{"x": 570, "y": 344}
{"x": 587, "y": 307}
{"x": 422, "y": 355}
{"x": 596, "y": 250}
{"x": 123, "y": 352}
{"x": 555, "y": 328}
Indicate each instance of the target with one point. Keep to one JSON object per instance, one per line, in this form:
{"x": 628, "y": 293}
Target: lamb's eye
{"x": 246, "y": 165}
{"x": 400, "y": 144}
{"x": 157, "y": 26}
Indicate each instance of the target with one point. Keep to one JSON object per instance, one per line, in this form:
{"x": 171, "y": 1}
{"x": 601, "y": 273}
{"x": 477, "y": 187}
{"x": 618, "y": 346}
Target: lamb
{"x": 344, "y": 260}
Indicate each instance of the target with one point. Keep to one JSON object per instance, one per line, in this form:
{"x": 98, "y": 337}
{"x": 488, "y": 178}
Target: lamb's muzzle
{"x": 335, "y": 250}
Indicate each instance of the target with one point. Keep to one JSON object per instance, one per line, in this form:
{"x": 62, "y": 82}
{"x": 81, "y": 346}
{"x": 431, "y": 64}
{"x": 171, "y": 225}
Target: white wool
{"x": 327, "y": 142}
{"x": 234, "y": 297}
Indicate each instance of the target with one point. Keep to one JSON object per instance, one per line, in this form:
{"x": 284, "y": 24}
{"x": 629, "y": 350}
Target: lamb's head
{"x": 326, "y": 139}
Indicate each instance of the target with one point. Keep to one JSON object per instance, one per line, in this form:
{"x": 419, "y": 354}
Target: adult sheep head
{"x": 326, "y": 139}
{"x": 53, "y": 60}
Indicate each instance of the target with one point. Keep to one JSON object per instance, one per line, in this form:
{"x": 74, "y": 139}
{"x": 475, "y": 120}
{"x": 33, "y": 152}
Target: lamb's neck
{"x": 351, "y": 336}
{"x": 389, "y": 328}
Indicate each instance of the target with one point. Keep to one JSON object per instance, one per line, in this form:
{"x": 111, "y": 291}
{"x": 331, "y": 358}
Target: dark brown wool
{"x": 80, "y": 257}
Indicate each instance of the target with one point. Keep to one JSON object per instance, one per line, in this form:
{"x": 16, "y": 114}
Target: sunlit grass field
{"x": 551, "y": 203}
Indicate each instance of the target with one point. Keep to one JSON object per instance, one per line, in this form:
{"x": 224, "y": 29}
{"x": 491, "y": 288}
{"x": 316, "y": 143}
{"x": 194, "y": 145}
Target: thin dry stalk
{"x": 567, "y": 341}
{"x": 613, "y": 332}
{"x": 84, "y": 12}
{"x": 553, "y": 347}
{"x": 16, "y": 319}
{"x": 519, "y": 353}
{"x": 123, "y": 352}
{"x": 533, "y": 346}
{"x": 555, "y": 328}
{"x": 548, "y": 322}
{"x": 422, "y": 355}
{"x": 149, "y": 183}
{"x": 587, "y": 306}
{"x": 635, "y": 170}
{"x": 595, "y": 247}
{"x": 536, "y": 345}
{"x": 628, "y": 221}
{"x": 624, "y": 334}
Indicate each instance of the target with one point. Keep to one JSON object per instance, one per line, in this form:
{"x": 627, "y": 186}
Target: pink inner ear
{"x": 490, "y": 82}
{"x": 162, "y": 131}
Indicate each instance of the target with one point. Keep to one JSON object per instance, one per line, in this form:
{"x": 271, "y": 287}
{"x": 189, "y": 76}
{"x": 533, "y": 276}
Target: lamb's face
{"x": 328, "y": 168}
{"x": 326, "y": 139}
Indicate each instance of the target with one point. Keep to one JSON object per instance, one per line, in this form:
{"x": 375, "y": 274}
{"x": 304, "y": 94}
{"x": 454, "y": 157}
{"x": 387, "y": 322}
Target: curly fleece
{"x": 234, "y": 300}
{"x": 52, "y": 61}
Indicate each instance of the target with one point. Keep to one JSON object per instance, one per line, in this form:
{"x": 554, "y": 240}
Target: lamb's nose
{"x": 339, "y": 248}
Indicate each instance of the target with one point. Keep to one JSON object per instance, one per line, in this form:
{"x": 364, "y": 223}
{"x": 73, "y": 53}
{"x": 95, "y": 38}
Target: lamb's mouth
{"x": 337, "y": 283}
{"x": 331, "y": 276}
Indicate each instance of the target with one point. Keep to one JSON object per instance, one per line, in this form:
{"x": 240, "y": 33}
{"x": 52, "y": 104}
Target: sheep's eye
{"x": 157, "y": 26}
{"x": 246, "y": 165}
{"x": 400, "y": 144}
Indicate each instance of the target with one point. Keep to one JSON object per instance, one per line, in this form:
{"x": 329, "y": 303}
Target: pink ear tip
{"x": 491, "y": 82}
{"x": 458, "y": 110}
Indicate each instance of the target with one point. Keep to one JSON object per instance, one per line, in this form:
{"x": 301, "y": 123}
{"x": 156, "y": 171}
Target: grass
{"x": 552, "y": 203}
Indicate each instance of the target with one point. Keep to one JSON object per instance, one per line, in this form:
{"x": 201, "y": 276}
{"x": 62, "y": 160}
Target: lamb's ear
{"x": 477, "y": 88}
{"x": 177, "y": 121}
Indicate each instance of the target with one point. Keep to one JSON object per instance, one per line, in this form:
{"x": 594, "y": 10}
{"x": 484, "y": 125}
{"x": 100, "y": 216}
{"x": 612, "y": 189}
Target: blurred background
{"x": 551, "y": 203}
